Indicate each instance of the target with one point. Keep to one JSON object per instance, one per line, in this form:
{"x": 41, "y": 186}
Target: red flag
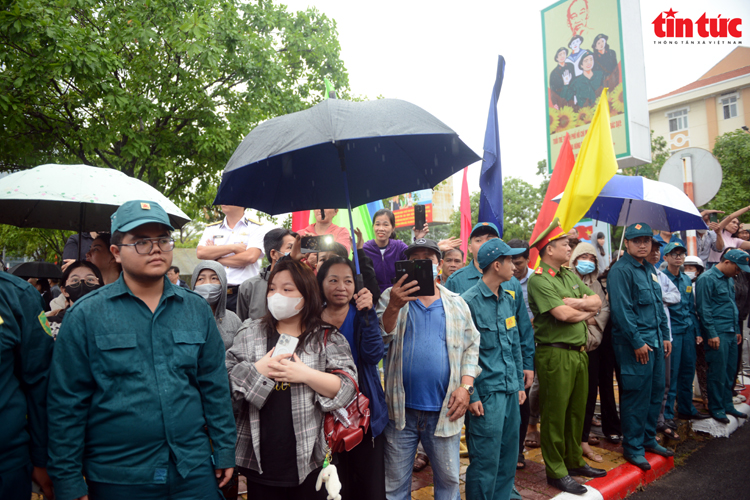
{"x": 557, "y": 183}
{"x": 465, "y": 215}
{"x": 300, "y": 220}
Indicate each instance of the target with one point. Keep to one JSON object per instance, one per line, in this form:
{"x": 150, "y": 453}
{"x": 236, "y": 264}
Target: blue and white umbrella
{"x": 625, "y": 200}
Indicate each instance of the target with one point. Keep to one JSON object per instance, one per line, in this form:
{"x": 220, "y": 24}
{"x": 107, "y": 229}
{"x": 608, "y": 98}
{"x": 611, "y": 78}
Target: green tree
{"x": 36, "y": 244}
{"x": 162, "y": 90}
{"x": 521, "y": 204}
{"x": 733, "y": 152}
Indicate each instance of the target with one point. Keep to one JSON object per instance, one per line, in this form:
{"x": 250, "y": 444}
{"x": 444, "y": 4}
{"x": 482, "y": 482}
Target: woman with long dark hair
{"x": 79, "y": 278}
{"x": 282, "y": 399}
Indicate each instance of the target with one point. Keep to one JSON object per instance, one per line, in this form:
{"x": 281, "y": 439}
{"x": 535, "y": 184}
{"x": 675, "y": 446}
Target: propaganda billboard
{"x": 438, "y": 204}
{"x": 590, "y": 45}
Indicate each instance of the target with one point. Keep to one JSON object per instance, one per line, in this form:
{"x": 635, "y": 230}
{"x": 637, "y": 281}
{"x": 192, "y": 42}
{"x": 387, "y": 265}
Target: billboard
{"x": 438, "y": 204}
{"x": 590, "y": 45}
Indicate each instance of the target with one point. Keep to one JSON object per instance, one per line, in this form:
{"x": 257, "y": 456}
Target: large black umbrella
{"x": 36, "y": 270}
{"x": 341, "y": 153}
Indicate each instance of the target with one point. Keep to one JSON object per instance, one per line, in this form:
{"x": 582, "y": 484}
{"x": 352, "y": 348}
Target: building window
{"x": 678, "y": 120}
{"x": 729, "y": 105}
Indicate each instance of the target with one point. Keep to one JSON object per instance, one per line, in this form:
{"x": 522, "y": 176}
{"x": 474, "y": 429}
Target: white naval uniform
{"x": 247, "y": 232}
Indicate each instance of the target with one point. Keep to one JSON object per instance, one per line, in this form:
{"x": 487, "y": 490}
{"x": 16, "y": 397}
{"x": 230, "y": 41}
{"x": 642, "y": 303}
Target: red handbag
{"x": 346, "y": 427}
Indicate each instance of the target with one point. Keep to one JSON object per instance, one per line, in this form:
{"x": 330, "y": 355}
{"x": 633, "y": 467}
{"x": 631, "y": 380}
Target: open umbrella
{"x": 74, "y": 197}
{"x": 625, "y": 200}
{"x": 340, "y": 153}
{"x": 36, "y": 269}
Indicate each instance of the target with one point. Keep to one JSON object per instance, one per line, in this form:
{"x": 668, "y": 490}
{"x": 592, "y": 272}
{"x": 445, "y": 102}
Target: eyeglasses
{"x": 75, "y": 282}
{"x": 146, "y": 245}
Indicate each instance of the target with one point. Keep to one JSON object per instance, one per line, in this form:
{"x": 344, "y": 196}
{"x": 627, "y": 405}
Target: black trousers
{"x": 304, "y": 491}
{"x": 525, "y": 413}
{"x": 362, "y": 470}
{"x": 608, "y": 369}
{"x": 232, "y": 299}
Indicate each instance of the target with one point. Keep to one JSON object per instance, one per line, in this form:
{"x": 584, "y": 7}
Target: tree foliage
{"x": 162, "y": 90}
{"x": 733, "y": 152}
{"x": 521, "y": 205}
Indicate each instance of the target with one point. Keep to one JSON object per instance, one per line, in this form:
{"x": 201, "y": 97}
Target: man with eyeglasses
{"x": 640, "y": 334}
{"x": 139, "y": 401}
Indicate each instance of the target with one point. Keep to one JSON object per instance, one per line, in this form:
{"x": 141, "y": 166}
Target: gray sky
{"x": 442, "y": 55}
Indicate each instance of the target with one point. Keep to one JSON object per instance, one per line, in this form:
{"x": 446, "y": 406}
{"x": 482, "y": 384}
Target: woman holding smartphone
{"x": 363, "y": 468}
{"x": 280, "y": 443}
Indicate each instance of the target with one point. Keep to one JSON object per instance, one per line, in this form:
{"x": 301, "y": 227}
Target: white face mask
{"x": 690, "y": 275}
{"x": 211, "y": 292}
{"x": 283, "y": 307}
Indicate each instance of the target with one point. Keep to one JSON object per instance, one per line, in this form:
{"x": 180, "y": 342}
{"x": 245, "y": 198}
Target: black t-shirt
{"x": 278, "y": 445}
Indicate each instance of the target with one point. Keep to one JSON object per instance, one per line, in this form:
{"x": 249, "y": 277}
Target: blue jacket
{"x": 370, "y": 350}
{"x": 385, "y": 263}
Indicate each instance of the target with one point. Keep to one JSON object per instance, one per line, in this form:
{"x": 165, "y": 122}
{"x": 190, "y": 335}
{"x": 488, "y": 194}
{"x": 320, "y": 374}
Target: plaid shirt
{"x": 251, "y": 389}
{"x": 462, "y": 338}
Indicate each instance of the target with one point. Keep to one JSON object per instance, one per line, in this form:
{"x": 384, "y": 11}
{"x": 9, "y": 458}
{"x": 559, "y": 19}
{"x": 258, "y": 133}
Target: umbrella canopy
{"x": 626, "y": 200}
{"x": 36, "y": 270}
{"x": 74, "y": 197}
{"x": 295, "y": 162}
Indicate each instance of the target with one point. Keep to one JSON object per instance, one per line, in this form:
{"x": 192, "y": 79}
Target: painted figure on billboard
{"x": 576, "y": 53}
{"x": 560, "y": 77}
{"x": 578, "y": 17}
{"x": 606, "y": 59}
{"x": 586, "y": 87}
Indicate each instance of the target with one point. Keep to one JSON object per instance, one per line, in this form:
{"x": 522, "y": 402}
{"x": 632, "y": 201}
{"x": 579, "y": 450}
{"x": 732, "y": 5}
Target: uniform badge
{"x": 538, "y": 270}
{"x": 638, "y": 226}
{"x": 551, "y": 272}
{"x": 510, "y": 322}
{"x": 45, "y": 323}
{"x": 1, "y": 320}
{"x": 653, "y": 276}
{"x": 512, "y": 293}
{"x": 689, "y": 289}
{"x": 145, "y": 206}
{"x": 575, "y": 286}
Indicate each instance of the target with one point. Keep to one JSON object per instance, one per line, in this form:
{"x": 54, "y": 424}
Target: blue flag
{"x": 491, "y": 177}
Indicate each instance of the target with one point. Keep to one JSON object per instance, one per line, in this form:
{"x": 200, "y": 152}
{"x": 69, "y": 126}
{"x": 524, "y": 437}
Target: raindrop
{"x": 367, "y": 192}
{"x": 313, "y": 183}
{"x": 436, "y": 160}
{"x": 431, "y": 172}
{"x": 383, "y": 158}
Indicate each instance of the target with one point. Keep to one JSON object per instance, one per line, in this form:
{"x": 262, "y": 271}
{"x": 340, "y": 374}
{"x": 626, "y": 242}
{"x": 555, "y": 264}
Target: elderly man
{"x": 640, "y": 334}
{"x": 429, "y": 372}
{"x": 561, "y": 304}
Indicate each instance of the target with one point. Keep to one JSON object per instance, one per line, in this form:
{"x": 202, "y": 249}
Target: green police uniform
{"x": 468, "y": 276}
{"x": 562, "y": 372}
{"x": 132, "y": 390}
{"x": 638, "y": 318}
{"x": 719, "y": 317}
{"x": 25, "y": 353}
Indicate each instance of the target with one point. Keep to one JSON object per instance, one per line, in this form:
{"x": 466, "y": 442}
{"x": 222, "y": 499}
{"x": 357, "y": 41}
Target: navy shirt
{"x": 426, "y": 370}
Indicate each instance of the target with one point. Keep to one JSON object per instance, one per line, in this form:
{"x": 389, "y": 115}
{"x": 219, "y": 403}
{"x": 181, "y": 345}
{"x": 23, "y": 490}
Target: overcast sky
{"x": 442, "y": 55}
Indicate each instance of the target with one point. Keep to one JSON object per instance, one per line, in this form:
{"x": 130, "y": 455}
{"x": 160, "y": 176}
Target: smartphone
{"x": 314, "y": 244}
{"x": 285, "y": 345}
{"x": 420, "y": 270}
{"x": 420, "y": 217}
{"x": 713, "y": 217}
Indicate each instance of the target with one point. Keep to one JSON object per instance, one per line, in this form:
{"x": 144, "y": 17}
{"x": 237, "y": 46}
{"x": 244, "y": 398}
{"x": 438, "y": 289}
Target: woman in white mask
{"x": 281, "y": 451}
{"x": 210, "y": 282}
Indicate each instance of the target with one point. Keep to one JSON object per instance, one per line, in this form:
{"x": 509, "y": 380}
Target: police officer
{"x": 561, "y": 304}
{"x": 639, "y": 333}
{"x": 685, "y": 331}
{"x": 493, "y": 424}
{"x": 138, "y": 397}
{"x": 237, "y": 244}
{"x": 25, "y": 354}
{"x": 719, "y": 318}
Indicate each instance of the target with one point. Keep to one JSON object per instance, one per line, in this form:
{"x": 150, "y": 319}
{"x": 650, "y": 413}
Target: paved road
{"x": 718, "y": 470}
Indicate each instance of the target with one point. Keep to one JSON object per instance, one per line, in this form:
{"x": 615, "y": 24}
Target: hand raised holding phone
{"x": 262, "y": 365}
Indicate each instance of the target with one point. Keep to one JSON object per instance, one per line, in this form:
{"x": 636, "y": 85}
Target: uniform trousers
{"x": 16, "y": 484}
{"x": 563, "y": 389}
{"x": 683, "y": 370}
{"x": 492, "y": 440}
{"x": 721, "y": 371}
{"x": 641, "y": 396}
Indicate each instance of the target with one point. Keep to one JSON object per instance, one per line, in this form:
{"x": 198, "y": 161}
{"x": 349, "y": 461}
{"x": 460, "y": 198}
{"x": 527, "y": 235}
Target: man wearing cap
{"x": 429, "y": 373}
{"x": 237, "y": 244}
{"x": 561, "y": 304}
{"x": 684, "y": 328}
{"x": 719, "y": 318}
{"x": 138, "y": 398}
{"x": 493, "y": 424}
{"x": 640, "y": 331}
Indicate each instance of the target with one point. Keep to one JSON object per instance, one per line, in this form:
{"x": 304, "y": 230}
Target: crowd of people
{"x": 132, "y": 383}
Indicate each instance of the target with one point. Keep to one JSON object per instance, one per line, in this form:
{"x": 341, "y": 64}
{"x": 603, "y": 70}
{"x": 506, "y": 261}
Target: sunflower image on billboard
{"x": 582, "y": 55}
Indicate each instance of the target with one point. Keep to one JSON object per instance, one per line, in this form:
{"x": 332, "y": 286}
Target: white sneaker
{"x": 736, "y": 400}
{"x": 740, "y": 397}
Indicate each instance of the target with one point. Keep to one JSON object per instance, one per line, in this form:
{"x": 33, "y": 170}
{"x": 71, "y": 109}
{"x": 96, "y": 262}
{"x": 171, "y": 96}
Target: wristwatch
{"x": 469, "y": 389}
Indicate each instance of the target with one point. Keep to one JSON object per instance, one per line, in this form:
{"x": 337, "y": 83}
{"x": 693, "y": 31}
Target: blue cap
{"x": 674, "y": 245}
{"x": 136, "y": 213}
{"x": 637, "y": 230}
{"x": 488, "y": 226}
{"x": 739, "y": 257}
{"x": 493, "y": 249}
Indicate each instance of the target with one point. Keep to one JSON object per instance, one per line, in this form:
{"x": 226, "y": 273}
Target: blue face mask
{"x": 585, "y": 267}
{"x": 434, "y": 271}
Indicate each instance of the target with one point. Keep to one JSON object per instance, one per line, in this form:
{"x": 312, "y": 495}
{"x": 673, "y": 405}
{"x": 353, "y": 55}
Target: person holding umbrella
{"x": 138, "y": 399}
{"x": 640, "y": 334}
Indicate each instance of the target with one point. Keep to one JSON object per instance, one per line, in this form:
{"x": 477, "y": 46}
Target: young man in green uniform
{"x": 639, "y": 332}
{"x": 561, "y": 304}
{"x": 685, "y": 331}
{"x": 25, "y": 354}
{"x": 494, "y": 418}
{"x": 139, "y": 397}
{"x": 719, "y": 318}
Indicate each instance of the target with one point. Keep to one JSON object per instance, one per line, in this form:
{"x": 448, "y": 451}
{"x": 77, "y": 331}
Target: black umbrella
{"x": 341, "y": 154}
{"x": 36, "y": 270}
